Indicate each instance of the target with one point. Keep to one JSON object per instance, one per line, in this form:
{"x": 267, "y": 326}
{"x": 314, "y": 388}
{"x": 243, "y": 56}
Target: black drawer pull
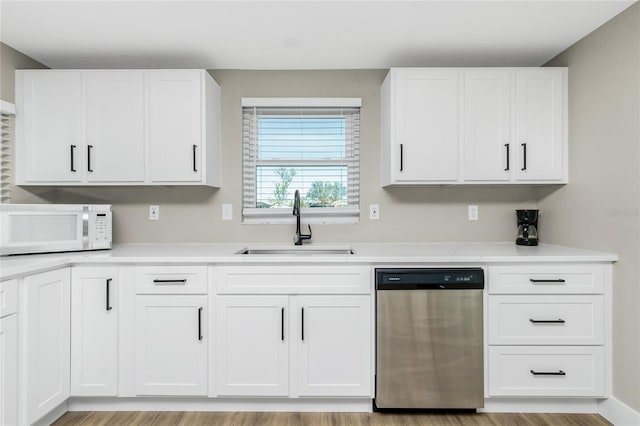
{"x": 558, "y": 321}
{"x": 195, "y": 147}
{"x": 282, "y": 324}
{"x": 548, "y": 373}
{"x": 302, "y": 323}
{"x": 401, "y": 157}
{"x": 559, "y": 280}
{"x": 200, "y": 323}
{"x": 183, "y": 281}
{"x": 524, "y": 156}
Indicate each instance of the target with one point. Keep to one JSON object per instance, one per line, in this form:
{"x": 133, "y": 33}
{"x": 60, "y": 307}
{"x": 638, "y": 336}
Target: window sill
{"x": 316, "y": 215}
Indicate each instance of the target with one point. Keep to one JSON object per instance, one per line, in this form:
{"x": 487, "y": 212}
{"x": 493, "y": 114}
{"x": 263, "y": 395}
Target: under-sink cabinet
{"x": 287, "y": 342}
{"x": 549, "y": 330}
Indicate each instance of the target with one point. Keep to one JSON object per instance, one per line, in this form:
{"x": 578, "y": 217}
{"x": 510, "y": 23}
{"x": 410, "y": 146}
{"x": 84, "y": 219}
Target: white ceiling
{"x": 298, "y": 34}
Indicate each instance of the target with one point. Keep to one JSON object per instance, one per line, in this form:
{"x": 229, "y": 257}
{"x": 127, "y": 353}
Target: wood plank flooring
{"x": 149, "y": 418}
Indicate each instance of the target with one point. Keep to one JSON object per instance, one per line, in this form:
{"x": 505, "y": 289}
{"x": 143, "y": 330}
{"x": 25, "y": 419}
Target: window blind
{"x": 7, "y": 114}
{"x": 315, "y": 150}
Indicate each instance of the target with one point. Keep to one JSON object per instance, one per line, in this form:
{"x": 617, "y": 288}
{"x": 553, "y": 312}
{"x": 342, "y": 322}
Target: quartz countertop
{"x": 364, "y": 253}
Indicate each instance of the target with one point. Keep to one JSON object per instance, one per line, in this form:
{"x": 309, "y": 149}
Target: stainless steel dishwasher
{"x": 429, "y": 345}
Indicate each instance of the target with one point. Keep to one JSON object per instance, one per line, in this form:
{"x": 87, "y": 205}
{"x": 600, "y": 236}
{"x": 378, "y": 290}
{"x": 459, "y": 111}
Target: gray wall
{"x": 600, "y": 208}
{"x": 407, "y": 214}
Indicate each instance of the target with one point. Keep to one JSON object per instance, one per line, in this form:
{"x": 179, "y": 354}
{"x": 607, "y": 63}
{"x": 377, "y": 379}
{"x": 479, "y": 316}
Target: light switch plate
{"x": 154, "y": 212}
{"x": 227, "y": 212}
{"x": 473, "y": 212}
{"x": 374, "y": 211}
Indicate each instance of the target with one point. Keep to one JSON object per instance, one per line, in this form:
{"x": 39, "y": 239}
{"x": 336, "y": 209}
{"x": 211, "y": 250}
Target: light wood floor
{"x": 93, "y": 418}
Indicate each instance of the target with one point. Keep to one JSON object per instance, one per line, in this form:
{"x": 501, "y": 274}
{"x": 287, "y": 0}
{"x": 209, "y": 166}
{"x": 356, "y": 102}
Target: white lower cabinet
{"x": 45, "y": 343}
{"x": 9, "y": 352}
{"x": 570, "y": 371}
{"x": 252, "y": 345}
{"x": 170, "y": 345}
{"x": 334, "y": 345}
{"x": 330, "y": 334}
{"x": 549, "y": 330}
{"x": 94, "y": 331}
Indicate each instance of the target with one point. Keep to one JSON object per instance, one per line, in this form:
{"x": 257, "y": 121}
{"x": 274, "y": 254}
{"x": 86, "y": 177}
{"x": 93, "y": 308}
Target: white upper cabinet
{"x": 117, "y": 127}
{"x": 114, "y": 130}
{"x": 474, "y": 126}
{"x": 49, "y": 127}
{"x": 175, "y": 125}
{"x": 487, "y": 125}
{"x": 540, "y": 128}
{"x": 423, "y": 127}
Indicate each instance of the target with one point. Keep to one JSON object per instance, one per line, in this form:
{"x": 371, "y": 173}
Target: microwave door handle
{"x": 85, "y": 227}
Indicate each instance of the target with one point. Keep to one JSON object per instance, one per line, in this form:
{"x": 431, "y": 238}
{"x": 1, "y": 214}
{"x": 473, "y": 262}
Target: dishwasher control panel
{"x": 429, "y": 278}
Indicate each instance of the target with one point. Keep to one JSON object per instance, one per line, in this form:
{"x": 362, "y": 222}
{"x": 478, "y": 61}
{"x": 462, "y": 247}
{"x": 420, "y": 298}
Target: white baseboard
{"x": 353, "y": 405}
{"x": 52, "y": 415}
{"x": 618, "y": 413}
{"x": 539, "y": 405}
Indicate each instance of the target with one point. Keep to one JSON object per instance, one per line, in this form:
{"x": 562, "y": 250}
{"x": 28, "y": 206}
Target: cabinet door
{"x": 9, "y": 370}
{"x": 94, "y": 332}
{"x": 114, "y": 114}
{"x": 174, "y": 108}
{"x": 46, "y": 336}
{"x": 426, "y": 125}
{"x": 252, "y": 356}
{"x": 539, "y": 124}
{"x": 487, "y": 125}
{"x": 171, "y": 350}
{"x": 334, "y": 345}
{"x": 49, "y": 126}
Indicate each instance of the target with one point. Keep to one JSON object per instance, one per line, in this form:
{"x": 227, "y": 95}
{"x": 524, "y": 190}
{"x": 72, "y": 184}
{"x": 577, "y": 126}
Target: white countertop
{"x": 365, "y": 253}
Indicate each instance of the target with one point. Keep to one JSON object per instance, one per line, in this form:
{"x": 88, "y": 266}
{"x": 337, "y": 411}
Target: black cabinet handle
{"x": 195, "y": 169}
{"x": 401, "y": 157}
{"x": 506, "y": 145}
{"x": 548, "y": 373}
{"x": 89, "y": 158}
{"x": 73, "y": 155}
{"x": 535, "y": 321}
{"x": 183, "y": 281}
{"x": 200, "y": 323}
{"x": 524, "y": 156}
{"x": 109, "y": 307}
{"x": 282, "y": 324}
{"x": 559, "y": 280}
{"x": 302, "y": 323}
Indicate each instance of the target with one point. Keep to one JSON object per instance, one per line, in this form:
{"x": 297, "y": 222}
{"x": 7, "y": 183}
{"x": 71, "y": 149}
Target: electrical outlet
{"x": 473, "y": 212}
{"x": 154, "y": 212}
{"x": 374, "y": 211}
{"x": 227, "y": 212}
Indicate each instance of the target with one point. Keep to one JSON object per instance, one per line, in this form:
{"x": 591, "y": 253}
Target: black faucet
{"x": 299, "y": 237}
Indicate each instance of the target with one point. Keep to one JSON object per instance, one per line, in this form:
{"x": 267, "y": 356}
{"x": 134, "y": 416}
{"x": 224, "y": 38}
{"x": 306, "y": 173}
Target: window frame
{"x": 317, "y": 215}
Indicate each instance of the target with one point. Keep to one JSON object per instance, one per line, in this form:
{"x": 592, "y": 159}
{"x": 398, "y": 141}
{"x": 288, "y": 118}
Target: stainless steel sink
{"x": 297, "y": 251}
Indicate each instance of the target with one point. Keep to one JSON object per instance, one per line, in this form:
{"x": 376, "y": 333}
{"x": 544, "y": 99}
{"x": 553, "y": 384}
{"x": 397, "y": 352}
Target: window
{"x": 313, "y": 148}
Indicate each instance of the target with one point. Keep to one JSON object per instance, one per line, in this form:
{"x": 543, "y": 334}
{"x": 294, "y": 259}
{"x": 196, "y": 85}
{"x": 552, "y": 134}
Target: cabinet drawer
{"x": 171, "y": 280}
{"x": 547, "y": 279}
{"x": 293, "y": 279}
{"x": 551, "y": 320}
{"x": 8, "y": 297}
{"x": 546, "y": 371}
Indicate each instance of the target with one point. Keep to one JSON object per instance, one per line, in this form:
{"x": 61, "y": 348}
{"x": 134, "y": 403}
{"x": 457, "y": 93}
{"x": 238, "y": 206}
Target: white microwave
{"x": 45, "y": 228}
